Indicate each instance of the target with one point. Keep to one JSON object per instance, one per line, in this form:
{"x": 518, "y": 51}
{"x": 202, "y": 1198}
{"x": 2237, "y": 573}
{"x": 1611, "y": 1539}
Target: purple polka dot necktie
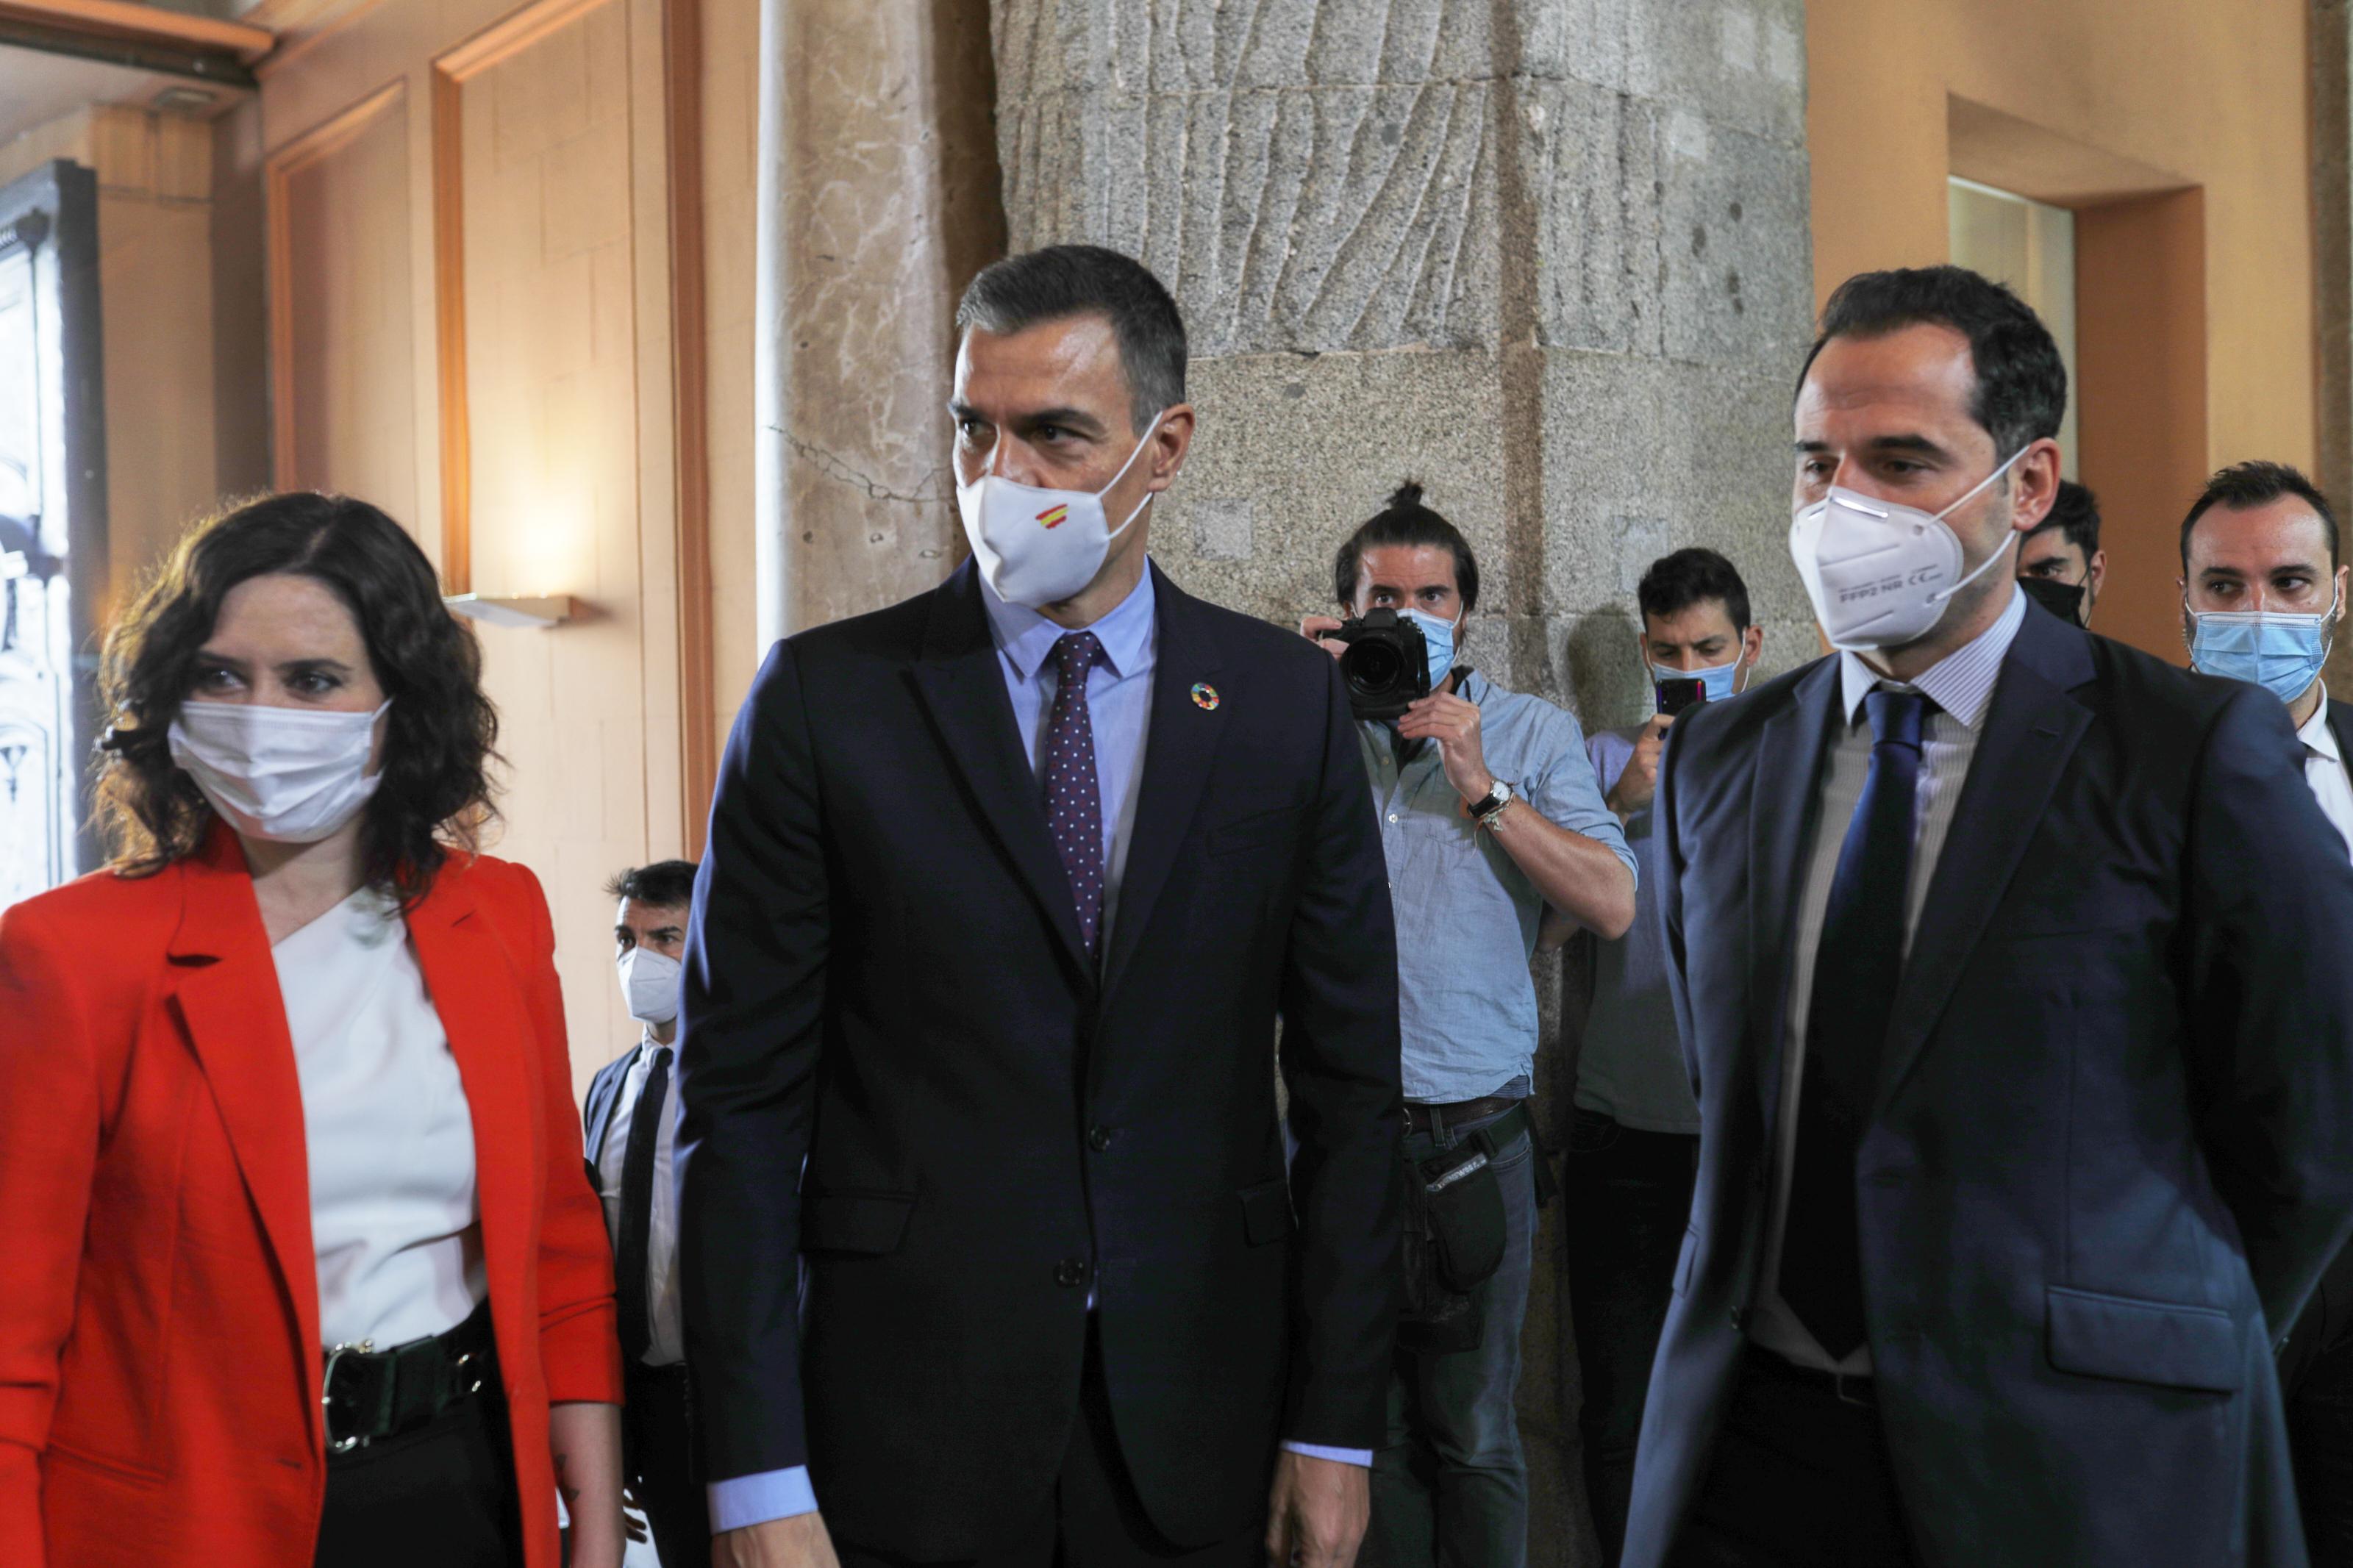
{"x": 1073, "y": 796}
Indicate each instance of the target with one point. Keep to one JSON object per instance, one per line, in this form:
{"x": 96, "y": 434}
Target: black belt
{"x": 1431, "y": 1118}
{"x": 1848, "y": 1387}
{"x": 371, "y": 1394}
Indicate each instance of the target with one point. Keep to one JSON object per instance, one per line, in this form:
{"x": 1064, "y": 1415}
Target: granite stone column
{"x": 1548, "y": 256}
{"x": 877, "y": 201}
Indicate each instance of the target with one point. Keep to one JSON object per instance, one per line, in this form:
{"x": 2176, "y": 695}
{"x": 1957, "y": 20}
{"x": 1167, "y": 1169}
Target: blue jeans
{"x": 1449, "y": 1486}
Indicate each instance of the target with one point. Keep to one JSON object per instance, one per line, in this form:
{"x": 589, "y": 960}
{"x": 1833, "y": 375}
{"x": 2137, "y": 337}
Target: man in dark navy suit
{"x": 2027, "y": 1117}
{"x": 629, "y": 1134}
{"x": 1006, "y": 888}
{"x": 2263, "y": 596}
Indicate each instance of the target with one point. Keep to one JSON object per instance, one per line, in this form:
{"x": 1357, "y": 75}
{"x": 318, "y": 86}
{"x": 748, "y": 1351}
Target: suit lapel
{"x": 2340, "y": 724}
{"x": 1178, "y": 748}
{"x": 477, "y": 996}
{"x": 962, "y": 684}
{"x": 228, "y": 1001}
{"x": 2032, "y": 729}
{"x": 1784, "y": 791}
{"x": 599, "y": 1111}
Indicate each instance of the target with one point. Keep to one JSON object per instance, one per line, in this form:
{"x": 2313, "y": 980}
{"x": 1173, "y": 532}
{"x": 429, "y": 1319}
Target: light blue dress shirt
{"x": 1119, "y": 709}
{"x": 1467, "y": 916}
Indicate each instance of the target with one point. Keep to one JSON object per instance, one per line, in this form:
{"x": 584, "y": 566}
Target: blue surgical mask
{"x": 2281, "y": 653}
{"x": 1721, "y": 681}
{"x": 1440, "y": 636}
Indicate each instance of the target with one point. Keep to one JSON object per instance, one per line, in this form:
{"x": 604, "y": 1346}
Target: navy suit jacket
{"x": 2112, "y": 1143}
{"x": 885, "y": 973}
{"x": 2326, "y": 1322}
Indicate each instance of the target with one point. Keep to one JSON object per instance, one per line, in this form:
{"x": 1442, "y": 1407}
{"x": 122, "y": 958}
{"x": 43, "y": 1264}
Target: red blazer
{"x": 159, "y": 1310}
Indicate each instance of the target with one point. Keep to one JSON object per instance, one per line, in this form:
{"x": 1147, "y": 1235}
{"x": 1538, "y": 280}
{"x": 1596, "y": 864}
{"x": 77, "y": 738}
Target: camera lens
{"x": 1373, "y": 666}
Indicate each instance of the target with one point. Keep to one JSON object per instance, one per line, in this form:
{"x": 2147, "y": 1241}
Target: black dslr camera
{"x": 1386, "y": 667}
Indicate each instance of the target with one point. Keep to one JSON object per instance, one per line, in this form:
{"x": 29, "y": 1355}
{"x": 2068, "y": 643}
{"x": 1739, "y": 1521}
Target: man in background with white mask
{"x": 1633, "y": 1146}
{"x": 2262, "y": 595}
{"x": 631, "y": 1137}
{"x": 1489, "y": 817}
{"x": 1006, "y": 888}
{"x": 2026, "y": 1116}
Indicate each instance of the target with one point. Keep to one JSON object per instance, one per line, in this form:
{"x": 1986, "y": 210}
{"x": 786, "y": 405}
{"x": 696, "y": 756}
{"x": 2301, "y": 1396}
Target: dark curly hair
{"x": 435, "y": 794}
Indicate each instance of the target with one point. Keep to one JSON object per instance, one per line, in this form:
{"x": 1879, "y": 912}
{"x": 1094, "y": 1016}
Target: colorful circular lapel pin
{"x": 1204, "y": 697}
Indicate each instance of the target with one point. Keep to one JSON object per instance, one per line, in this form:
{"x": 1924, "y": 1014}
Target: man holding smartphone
{"x": 1634, "y": 1144}
{"x": 1489, "y": 818}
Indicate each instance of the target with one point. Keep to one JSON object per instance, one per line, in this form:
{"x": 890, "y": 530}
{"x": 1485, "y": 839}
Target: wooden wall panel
{"x": 342, "y": 308}
{"x": 541, "y": 458}
{"x": 538, "y": 146}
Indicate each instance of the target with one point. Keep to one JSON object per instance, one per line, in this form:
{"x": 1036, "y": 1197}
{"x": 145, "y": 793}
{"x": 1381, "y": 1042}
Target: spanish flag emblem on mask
{"x": 1053, "y": 515}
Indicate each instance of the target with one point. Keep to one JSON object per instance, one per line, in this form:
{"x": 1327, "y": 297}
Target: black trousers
{"x": 1800, "y": 1479}
{"x": 1093, "y": 1519}
{"x": 442, "y": 1494}
{"x": 1627, "y": 1197}
{"x": 2320, "y": 1437}
{"x": 659, "y": 1458}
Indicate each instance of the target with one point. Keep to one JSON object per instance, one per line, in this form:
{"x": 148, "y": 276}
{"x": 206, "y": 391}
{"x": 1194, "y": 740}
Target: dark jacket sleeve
{"x": 1340, "y": 1056}
{"x": 2271, "y": 918}
{"x": 753, "y": 1009}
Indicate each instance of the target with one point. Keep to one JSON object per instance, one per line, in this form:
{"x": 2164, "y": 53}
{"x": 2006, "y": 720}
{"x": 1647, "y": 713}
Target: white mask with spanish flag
{"x": 1039, "y": 547}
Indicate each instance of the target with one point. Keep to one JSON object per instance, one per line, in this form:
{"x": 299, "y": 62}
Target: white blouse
{"x": 395, "y": 1224}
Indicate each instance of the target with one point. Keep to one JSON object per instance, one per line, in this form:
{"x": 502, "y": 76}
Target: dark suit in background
{"x": 2112, "y": 1141}
{"x": 2316, "y": 1367}
{"x": 886, "y": 975}
{"x": 658, "y": 1458}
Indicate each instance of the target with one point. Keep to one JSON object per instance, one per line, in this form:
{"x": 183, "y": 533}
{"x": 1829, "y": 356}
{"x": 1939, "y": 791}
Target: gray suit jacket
{"x": 2111, "y": 1145}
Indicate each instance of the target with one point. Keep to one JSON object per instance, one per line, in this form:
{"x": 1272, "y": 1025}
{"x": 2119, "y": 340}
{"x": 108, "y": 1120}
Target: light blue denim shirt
{"x": 1467, "y": 916}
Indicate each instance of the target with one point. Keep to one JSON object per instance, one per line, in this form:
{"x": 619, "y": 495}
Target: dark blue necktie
{"x": 1856, "y": 970}
{"x": 629, "y": 1252}
{"x": 1073, "y": 795}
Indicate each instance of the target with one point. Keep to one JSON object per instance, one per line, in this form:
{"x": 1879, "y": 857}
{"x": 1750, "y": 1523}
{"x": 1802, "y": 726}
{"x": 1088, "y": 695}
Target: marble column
{"x": 877, "y": 201}
{"x": 1549, "y": 257}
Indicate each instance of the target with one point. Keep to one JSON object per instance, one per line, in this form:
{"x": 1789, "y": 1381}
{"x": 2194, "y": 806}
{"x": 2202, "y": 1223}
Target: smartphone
{"x": 1674, "y": 696}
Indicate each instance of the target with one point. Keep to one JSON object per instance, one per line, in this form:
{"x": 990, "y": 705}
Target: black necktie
{"x": 630, "y": 1282}
{"x": 1855, "y": 972}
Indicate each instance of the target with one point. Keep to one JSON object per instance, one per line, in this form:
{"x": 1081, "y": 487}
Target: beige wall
{"x": 154, "y": 227}
{"x": 2101, "y": 108}
{"x": 477, "y": 322}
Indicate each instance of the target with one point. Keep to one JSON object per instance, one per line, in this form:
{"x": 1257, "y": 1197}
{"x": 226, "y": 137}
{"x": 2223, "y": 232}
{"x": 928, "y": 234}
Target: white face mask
{"x": 650, "y": 985}
{"x": 1880, "y": 572}
{"x": 1039, "y": 547}
{"x": 291, "y": 775}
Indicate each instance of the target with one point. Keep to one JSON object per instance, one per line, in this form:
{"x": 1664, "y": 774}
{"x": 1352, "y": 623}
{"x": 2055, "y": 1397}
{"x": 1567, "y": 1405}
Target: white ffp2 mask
{"x": 650, "y": 985}
{"x": 1039, "y": 547}
{"x": 292, "y": 775}
{"x": 1878, "y": 572}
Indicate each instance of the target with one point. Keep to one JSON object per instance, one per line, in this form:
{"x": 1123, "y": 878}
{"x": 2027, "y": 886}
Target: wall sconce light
{"x": 491, "y": 610}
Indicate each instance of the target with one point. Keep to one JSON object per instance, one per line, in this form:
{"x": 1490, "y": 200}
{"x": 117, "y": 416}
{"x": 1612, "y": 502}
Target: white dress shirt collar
{"x": 2318, "y": 737}
{"x": 1961, "y": 683}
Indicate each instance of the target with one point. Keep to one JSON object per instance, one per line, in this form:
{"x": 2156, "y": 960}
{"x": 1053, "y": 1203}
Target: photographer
{"x": 1489, "y": 813}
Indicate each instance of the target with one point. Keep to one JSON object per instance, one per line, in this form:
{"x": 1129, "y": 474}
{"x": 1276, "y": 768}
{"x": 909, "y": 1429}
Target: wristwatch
{"x": 1484, "y": 809}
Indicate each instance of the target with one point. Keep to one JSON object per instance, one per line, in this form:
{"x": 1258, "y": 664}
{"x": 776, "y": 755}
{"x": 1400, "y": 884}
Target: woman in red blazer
{"x": 302, "y": 1265}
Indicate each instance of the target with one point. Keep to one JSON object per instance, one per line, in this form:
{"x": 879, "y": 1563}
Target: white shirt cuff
{"x": 741, "y": 1501}
{"x": 1359, "y": 1457}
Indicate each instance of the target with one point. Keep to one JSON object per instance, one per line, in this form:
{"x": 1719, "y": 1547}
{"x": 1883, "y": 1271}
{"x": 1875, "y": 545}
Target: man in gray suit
{"x": 2026, "y": 1125}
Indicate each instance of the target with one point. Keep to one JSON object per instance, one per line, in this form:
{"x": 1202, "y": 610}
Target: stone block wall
{"x": 1548, "y": 256}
